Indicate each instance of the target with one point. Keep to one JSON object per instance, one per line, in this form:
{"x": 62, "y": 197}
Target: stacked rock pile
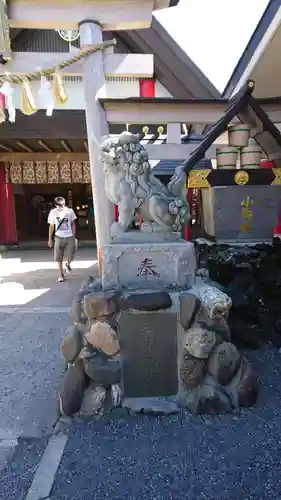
{"x": 212, "y": 375}
{"x": 91, "y": 349}
{"x": 215, "y": 377}
{"x": 251, "y": 276}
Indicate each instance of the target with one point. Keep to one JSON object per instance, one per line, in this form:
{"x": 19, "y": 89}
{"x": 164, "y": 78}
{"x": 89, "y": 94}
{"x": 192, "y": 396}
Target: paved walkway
{"x": 33, "y": 319}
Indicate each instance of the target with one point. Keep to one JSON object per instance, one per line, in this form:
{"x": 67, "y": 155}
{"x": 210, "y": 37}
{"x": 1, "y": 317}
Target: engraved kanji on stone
{"x": 147, "y": 268}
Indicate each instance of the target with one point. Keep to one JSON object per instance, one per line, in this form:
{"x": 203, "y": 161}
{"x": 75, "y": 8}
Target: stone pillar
{"x": 8, "y": 233}
{"x": 94, "y": 81}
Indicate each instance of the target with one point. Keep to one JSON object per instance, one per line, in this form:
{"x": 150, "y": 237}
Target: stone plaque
{"x": 148, "y": 265}
{"x": 149, "y": 347}
{"x": 250, "y": 214}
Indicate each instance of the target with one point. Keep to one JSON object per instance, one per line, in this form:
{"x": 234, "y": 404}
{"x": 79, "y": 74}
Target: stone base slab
{"x": 148, "y": 265}
{"x": 156, "y": 406}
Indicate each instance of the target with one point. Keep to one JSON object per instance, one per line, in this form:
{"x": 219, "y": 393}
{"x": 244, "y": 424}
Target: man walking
{"x": 62, "y": 227}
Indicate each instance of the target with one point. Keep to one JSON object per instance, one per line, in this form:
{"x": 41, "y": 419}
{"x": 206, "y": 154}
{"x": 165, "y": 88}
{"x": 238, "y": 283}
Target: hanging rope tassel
{"x": 59, "y": 90}
{"x": 2, "y": 109}
{"x": 7, "y": 90}
{"x": 46, "y": 95}
{"x": 28, "y": 105}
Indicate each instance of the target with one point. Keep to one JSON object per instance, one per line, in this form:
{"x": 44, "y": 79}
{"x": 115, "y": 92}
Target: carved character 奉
{"x": 131, "y": 185}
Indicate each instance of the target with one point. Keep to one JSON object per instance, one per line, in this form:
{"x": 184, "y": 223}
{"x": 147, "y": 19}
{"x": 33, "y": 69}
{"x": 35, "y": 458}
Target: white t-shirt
{"x": 68, "y": 216}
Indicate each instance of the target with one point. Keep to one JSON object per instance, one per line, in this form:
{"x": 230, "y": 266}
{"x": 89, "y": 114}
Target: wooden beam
{"x": 116, "y": 65}
{"x": 64, "y": 124}
{"x": 161, "y": 4}
{"x": 54, "y": 14}
{"x": 5, "y": 45}
{"x": 175, "y": 151}
{"x": 61, "y": 157}
{"x": 152, "y": 111}
{"x": 155, "y": 152}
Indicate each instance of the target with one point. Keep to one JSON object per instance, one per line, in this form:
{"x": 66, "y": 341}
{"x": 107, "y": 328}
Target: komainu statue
{"x": 131, "y": 185}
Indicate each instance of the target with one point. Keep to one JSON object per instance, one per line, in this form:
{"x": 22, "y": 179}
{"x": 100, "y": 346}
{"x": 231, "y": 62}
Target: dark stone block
{"x": 73, "y": 389}
{"x": 101, "y": 371}
{"x": 149, "y": 349}
{"x": 189, "y": 307}
{"x": 149, "y": 301}
{"x": 210, "y": 399}
{"x": 72, "y": 344}
{"x": 247, "y": 388}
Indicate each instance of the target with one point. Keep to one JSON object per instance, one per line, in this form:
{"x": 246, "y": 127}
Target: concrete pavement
{"x": 33, "y": 319}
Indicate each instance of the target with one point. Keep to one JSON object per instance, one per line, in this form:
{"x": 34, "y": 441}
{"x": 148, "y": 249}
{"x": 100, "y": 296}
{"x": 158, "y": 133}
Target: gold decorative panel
{"x": 53, "y": 172}
{"x": 65, "y": 173}
{"x": 41, "y": 172}
{"x": 28, "y": 173}
{"x": 7, "y": 173}
{"x": 16, "y": 174}
{"x": 77, "y": 172}
{"x": 48, "y": 172}
{"x": 86, "y": 172}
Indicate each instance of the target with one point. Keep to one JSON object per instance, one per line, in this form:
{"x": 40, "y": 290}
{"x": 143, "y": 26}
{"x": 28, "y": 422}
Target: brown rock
{"x": 200, "y": 341}
{"x": 100, "y": 304}
{"x": 247, "y": 386}
{"x": 224, "y": 362}
{"x": 189, "y": 307}
{"x": 75, "y": 311}
{"x": 193, "y": 371}
{"x": 102, "y": 336}
{"x": 72, "y": 344}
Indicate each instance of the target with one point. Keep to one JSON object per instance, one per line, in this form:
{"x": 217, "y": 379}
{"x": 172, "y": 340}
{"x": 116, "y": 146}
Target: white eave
{"x": 261, "y": 58}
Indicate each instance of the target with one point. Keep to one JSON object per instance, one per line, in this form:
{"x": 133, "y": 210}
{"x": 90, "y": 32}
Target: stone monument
{"x": 150, "y": 335}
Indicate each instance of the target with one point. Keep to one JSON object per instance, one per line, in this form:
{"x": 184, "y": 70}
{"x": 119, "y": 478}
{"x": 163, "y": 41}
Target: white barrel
{"x": 226, "y": 157}
{"x": 250, "y": 157}
{"x": 238, "y": 135}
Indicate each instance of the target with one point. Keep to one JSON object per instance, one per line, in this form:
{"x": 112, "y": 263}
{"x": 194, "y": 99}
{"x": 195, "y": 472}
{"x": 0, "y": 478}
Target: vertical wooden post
{"x": 115, "y": 213}
{"x": 147, "y": 88}
{"x": 94, "y": 81}
{"x": 8, "y": 233}
{"x": 187, "y": 235}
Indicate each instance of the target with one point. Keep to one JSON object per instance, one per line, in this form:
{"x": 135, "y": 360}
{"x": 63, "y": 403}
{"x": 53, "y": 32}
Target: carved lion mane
{"x": 126, "y": 157}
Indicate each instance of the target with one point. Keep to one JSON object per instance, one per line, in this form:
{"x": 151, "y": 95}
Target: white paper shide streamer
{"x": 7, "y": 90}
{"x": 46, "y": 96}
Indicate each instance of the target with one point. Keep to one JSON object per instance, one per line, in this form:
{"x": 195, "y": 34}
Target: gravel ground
{"x": 181, "y": 457}
{"x": 17, "y": 477}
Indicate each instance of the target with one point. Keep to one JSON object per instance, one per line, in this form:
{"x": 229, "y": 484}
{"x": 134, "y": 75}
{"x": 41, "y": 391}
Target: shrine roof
{"x": 173, "y": 67}
{"x": 261, "y": 45}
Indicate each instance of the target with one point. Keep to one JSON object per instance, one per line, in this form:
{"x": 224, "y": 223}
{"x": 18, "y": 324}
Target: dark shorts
{"x": 64, "y": 248}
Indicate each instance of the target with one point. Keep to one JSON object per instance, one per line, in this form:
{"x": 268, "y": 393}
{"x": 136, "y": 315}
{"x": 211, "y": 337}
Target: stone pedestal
{"x": 149, "y": 265}
{"x": 156, "y": 351}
